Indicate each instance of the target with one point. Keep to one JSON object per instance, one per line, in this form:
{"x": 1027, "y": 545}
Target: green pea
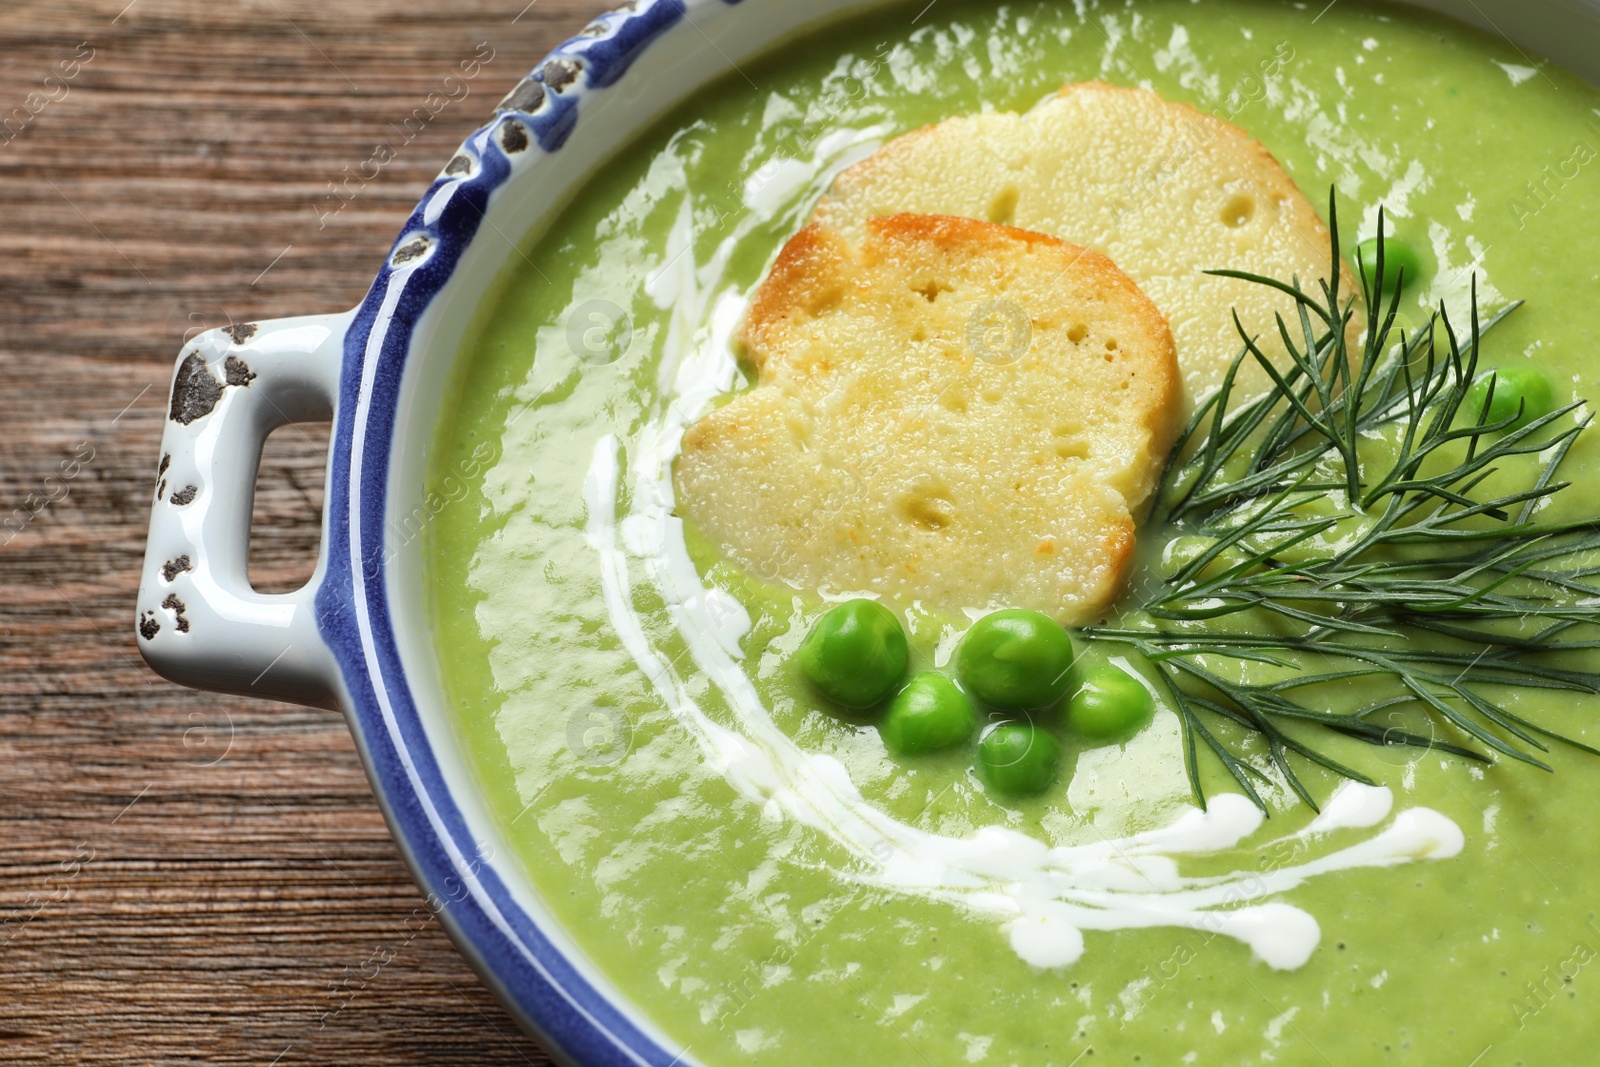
{"x": 1110, "y": 703}
{"x": 855, "y": 654}
{"x": 1018, "y": 759}
{"x": 1400, "y": 263}
{"x": 1017, "y": 660}
{"x": 1515, "y": 388}
{"x": 929, "y": 714}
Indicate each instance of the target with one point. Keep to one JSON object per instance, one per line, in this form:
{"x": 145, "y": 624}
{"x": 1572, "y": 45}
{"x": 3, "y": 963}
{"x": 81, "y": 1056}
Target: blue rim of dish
{"x": 532, "y": 976}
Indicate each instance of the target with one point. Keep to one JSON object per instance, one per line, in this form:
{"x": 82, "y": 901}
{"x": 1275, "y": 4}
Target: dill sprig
{"x": 1347, "y": 533}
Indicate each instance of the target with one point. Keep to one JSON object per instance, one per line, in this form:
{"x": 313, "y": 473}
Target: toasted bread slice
{"x": 954, "y": 412}
{"x": 1166, "y": 191}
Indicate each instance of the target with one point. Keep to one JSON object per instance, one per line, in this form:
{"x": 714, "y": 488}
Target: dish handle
{"x": 199, "y": 621}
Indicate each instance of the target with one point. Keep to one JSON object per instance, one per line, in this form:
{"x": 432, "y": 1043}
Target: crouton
{"x": 947, "y": 411}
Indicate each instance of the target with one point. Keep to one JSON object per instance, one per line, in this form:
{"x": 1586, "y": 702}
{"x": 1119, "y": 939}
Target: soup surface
{"x": 678, "y": 797}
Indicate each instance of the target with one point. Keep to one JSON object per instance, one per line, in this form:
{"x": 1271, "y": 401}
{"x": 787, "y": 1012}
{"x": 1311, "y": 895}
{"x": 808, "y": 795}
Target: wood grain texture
{"x": 187, "y": 878}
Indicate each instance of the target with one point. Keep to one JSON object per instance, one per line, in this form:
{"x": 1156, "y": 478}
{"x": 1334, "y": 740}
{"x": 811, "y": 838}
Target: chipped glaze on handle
{"x": 199, "y": 622}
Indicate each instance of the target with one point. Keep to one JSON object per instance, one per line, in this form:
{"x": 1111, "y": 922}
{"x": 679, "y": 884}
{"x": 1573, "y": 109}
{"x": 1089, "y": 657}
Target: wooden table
{"x": 185, "y": 877}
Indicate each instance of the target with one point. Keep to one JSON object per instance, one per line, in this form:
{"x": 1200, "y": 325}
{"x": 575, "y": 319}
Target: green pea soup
{"x": 750, "y": 936}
